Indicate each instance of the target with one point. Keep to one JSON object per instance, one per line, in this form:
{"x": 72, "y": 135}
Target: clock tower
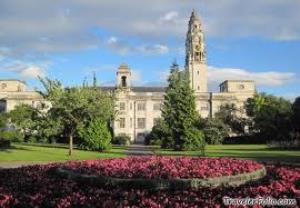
{"x": 195, "y": 61}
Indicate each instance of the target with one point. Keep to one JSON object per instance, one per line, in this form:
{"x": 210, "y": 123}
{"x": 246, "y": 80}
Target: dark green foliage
{"x": 231, "y": 115}
{"x": 96, "y": 136}
{"x": 121, "y": 139}
{"x": 158, "y": 134}
{"x": 193, "y": 139}
{"x": 4, "y": 143}
{"x": 296, "y": 114}
{"x": 24, "y": 120}
{"x": 179, "y": 113}
{"x": 270, "y": 117}
{"x": 215, "y": 130}
{"x": 12, "y": 135}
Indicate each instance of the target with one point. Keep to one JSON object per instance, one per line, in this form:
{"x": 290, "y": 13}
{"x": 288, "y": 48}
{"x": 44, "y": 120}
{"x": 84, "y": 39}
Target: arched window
{"x": 123, "y": 81}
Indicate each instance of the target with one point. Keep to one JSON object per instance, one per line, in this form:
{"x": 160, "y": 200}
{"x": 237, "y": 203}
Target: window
{"x": 141, "y": 106}
{"x": 157, "y": 106}
{"x": 3, "y": 85}
{"x": 141, "y": 123}
{"x": 198, "y": 72}
{"x": 124, "y": 82}
{"x": 122, "y": 106}
{"x": 130, "y": 122}
{"x": 122, "y": 123}
{"x": 241, "y": 86}
{"x": 156, "y": 121}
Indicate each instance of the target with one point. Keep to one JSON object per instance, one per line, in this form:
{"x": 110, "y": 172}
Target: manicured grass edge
{"x": 160, "y": 184}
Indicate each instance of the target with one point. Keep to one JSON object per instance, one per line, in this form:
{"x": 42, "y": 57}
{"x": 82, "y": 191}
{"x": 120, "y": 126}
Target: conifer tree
{"x": 179, "y": 113}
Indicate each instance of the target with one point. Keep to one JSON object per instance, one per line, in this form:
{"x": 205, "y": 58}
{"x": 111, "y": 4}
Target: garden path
{"x": 139, "y": 149}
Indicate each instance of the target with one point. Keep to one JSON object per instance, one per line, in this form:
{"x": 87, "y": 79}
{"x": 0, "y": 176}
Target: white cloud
{"x": 217, "y": 75}
{"x": 170, "y": 17}
{"x": 25, "y": 70}
{"x": 122, "y": 47}
{"x": 32, "y": 72}
{"x": 69, "y": 25}
{"x": 265, "y": 78}
{"x": 135, "y": 76}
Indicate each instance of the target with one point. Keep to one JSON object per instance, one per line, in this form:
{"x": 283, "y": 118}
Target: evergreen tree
{"x": 179, "y": 113}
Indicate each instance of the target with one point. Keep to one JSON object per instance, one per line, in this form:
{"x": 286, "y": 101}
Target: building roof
{"x": 136, "y": 89}
{"x": 236, "y": 81}
{"x": 13, "y": 80}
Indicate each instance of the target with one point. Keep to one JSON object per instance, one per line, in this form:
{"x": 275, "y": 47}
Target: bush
{"x": 12, "y": 135}
{"x": 4, "y": 143}
{"x": 121, "y": 139}
{"x": 289, "y": 145}
{"x": 215, "y": 130}
{"x": 252, "y": 139}
{"x": 157, "y": 134}
{"x": 193, "y": 139}
{"x": 96, "y": 136}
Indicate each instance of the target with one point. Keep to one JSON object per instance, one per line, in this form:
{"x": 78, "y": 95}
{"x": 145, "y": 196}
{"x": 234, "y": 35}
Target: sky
{"x": 69, "y": 40}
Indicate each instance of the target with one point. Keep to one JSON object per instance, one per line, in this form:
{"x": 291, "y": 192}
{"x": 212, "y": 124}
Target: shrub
{"x": 193, "y": 139}
{"x": 157, "y": 134}
{"x": 12, "y": 135}
{"x": 121, "y": 139}
{"x": 247, "y": 139}
{"x": 96, "y": 136}
{"x": 4, "y": 143}
{"x": 215, "y": 130}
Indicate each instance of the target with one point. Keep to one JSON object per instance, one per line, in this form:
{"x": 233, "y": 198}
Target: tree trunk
{"x": 70, "y": 144}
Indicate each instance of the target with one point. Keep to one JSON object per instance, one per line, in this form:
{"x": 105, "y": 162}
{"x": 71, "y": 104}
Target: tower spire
{"x": 196, "y": 54}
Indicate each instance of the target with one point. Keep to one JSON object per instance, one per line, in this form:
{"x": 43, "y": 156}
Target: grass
{"x": 257, "y": 152}
{"x": 29, "y": 152}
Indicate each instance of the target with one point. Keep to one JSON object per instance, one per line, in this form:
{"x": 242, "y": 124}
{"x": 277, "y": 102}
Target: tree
{"x": 215, "y": 130}
{"x": 296, "y": 114}
{"x": 159, "y": 135}
{"x": 229, "y": 114}
{"x": 75, "y": 107}
{"x": 24, "y": 118}
{"x": 179, "y": 112}
{"x": 271, "y": 116}
{"x": 96, "y": 136}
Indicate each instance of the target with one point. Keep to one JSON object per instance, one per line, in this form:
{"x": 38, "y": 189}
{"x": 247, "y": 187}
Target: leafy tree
{"x": 75, "y": 107}
{"x": 215, "y": 130}
{"x": 96, "y": 136}
{"x": 179, "y": 112}
{"x": 296, "y": 114}
{"x": 160, "y": 135}
{"x": 24, "y": 118}
{"x": 231, "y": 116}
{"x": 271, "y": 116}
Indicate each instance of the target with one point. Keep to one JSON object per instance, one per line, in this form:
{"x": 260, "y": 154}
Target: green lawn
{"x": 258, "y": 152}
{"x": 25, "y": 152}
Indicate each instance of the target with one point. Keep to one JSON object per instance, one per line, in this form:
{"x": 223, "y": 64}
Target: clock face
{"x": 197, "y": 47}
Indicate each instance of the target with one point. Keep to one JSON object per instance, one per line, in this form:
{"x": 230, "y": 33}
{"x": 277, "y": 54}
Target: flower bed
{"x": 164, "y": 167}
{"x": 37, "y": 186}
{"x": 163, "y": 172}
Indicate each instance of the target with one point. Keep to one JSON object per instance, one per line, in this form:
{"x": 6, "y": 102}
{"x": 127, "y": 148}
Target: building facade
{"x": 13, "y": 92}
{"x": 139, "y": 107}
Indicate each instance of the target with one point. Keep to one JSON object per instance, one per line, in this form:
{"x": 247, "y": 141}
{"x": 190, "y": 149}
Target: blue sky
{"x": 69, "y": 40}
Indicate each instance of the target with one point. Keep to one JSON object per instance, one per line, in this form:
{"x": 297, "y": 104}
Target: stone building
{"x": 139, "y": 107}
{"x": 13, "y": 92}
